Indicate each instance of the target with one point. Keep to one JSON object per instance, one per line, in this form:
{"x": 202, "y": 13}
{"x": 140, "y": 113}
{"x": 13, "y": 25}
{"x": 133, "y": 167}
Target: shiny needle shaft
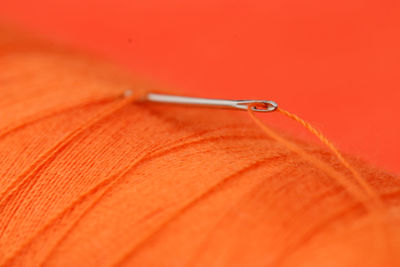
{"x": 256, "y": 105}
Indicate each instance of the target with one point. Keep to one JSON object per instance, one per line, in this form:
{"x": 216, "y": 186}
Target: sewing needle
{"x": 256, "y": 105}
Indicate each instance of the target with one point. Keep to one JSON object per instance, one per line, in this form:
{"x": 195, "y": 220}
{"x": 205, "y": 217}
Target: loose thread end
{"x": 366, "y": 188}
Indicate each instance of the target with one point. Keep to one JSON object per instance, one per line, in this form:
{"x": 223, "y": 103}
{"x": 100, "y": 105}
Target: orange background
{"x": 334, "y": 63}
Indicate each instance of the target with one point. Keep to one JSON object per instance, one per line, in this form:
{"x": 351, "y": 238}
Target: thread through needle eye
{"x": 256, "y": 105}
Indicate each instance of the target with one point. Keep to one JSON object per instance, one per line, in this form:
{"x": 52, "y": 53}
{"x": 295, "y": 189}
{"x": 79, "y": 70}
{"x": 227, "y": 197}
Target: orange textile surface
{"x": 89, "y": 178}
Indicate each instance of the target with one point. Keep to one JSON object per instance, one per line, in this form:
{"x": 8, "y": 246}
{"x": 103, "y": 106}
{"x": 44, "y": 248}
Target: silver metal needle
{"x": 256, "y": 105}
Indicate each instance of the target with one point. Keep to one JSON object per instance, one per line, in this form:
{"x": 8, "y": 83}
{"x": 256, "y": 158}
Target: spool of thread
{"x": 92, "y": 178}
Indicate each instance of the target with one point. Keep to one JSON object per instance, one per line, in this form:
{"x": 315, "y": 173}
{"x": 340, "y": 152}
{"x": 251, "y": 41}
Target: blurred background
{"x": 334, "y": 63}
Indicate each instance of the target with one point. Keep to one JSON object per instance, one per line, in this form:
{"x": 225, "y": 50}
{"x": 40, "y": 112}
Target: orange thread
{"x": 110, "y": 183}
{"x": 364, "y": 185}
{"x": 107, "y": 184}
{"x": 185, "y": 206}
{"x": 372, "y": 201}
{"x": 317, "y": 162}
{"x": 46, "y": 156}
{"x": 48, "y": 113}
